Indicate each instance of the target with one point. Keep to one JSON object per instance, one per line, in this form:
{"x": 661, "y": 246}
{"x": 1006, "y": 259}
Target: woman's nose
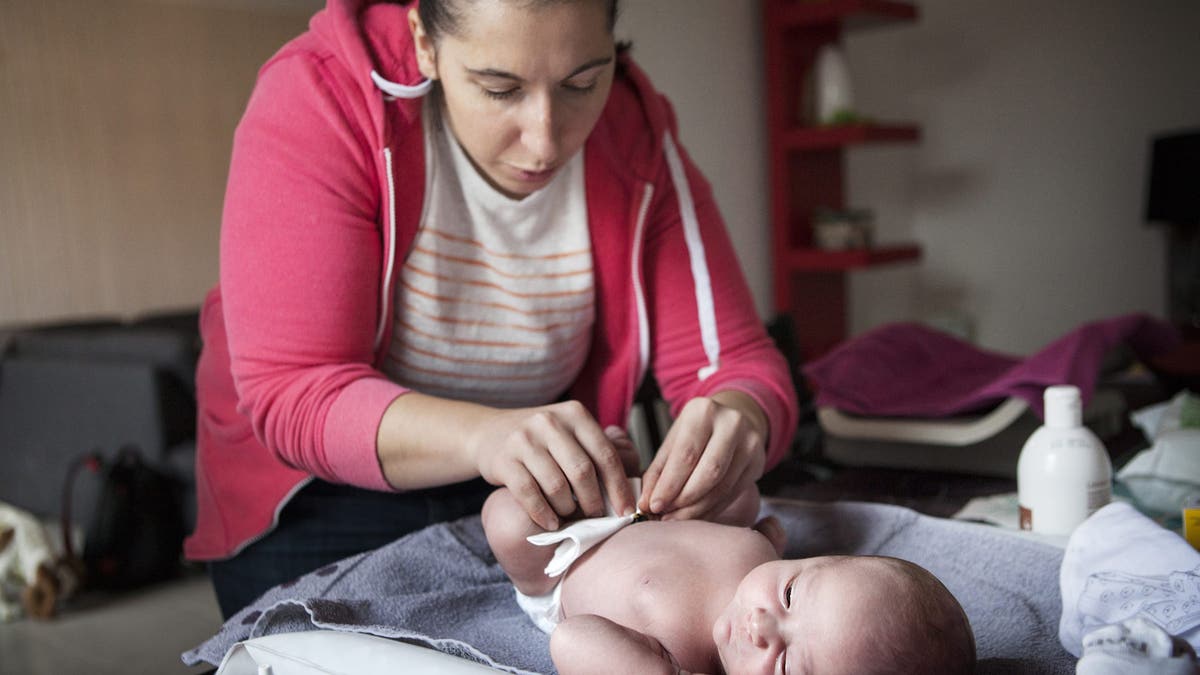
{"x": 538, "y": 130}
{"x": 763, "y": 629}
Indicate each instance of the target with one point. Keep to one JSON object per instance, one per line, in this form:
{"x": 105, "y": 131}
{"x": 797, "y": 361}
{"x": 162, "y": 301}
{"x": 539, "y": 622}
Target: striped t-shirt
{"x": 495, "y": 302}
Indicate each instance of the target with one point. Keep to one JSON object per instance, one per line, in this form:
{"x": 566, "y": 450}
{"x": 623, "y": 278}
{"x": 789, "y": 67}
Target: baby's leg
{"x": 506, "y": 525}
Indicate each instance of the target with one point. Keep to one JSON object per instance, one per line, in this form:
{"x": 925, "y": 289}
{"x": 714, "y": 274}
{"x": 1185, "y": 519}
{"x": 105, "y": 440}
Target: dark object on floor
{"x": 70, "y": 387}
{"x": 135, "y": 534}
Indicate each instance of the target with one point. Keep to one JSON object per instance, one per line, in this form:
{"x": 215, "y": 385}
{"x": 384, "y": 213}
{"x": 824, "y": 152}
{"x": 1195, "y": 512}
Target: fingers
{"x": 717, "y": 501}
{"x": 631, "y": 461}
{"x": 722, "y": 455}
{"x": 528, "y": 493}
{"x": 710, "y": 455}
{"x": 672, "y": 467}
{"x": 590, "y": 459}
{"x": 576, "y": 474}
{"x": 557, "y": 461}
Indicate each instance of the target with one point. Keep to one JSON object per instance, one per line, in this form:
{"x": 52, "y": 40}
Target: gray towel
{"x": 442, "y": 587}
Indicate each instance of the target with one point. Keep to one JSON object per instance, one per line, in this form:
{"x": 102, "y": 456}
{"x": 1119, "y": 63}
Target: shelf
{"x": 817, "y": 260}
{"x": 852, "y": 14}
{"x": 807, "y": 164}
{"x": 821, "y": 138}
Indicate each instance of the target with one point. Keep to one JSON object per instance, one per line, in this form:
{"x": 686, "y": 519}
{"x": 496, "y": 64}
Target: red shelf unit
{"x": 806, "y": 164}
{"x": 818, "y": 138}
{"x": 852, "y": 14}
{"x": 831, "y": 261}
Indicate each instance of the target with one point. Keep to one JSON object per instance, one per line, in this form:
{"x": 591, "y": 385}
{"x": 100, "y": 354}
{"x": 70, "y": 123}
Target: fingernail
{"x": 553, "y": 524}
{"x": 657, "y": 506}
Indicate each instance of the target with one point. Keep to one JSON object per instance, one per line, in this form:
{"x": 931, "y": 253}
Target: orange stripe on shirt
{"x": 512, "y": 256}
{"x": 487, "y": 284}
{"x": 482, "y": 343}
{"x": 409, "y": 307}
{"x": 493, "y": 268}
{"x": 409, "y": 347}
{"x": 534, "y": 312}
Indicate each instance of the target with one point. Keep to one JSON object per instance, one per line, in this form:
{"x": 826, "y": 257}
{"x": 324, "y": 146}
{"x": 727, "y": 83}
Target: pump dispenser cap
{"x": 1063, "y": 407}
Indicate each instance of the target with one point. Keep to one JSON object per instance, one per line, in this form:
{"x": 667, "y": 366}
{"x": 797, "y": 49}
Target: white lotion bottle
{"x": 833, "y": 90}
{"x": 1063, "y": 474}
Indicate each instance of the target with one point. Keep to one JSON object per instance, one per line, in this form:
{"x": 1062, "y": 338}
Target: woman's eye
{"x": 787, "y": 596}
{"x": 500, "y": 95}
{"x": 580, "y": 88}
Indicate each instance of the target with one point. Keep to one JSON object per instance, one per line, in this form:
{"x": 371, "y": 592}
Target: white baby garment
{"x": 1119, "y": 565}
{"x": 573, "y": 541}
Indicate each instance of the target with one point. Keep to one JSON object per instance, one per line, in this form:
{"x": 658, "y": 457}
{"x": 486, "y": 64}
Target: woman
{"x": 456, "y": 237}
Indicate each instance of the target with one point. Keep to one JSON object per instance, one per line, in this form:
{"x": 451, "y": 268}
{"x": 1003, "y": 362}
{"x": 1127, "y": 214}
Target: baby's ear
{"x": 772, "y": 529}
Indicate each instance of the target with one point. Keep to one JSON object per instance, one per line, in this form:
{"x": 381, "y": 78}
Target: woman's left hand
{"x": 714, "y": 451}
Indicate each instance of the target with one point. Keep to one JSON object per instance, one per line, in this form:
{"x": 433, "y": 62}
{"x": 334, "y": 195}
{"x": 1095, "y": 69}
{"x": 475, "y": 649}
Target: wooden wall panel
{"x": 116, "y": 119}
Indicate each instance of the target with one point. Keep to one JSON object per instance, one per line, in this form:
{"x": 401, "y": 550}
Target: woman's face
{"x": 523, "y": 84}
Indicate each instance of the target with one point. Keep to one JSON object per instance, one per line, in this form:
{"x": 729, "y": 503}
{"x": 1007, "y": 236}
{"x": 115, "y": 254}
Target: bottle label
{"x": 1099, "y": 495}
{"x": 1026, "y": 518}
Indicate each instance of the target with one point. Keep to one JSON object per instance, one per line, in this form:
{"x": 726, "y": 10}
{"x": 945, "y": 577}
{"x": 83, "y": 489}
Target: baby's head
{"x": 843, "y": 614}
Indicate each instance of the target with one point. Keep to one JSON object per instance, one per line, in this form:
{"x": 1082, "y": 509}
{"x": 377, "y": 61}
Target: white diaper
{"x": 573, "y": 541}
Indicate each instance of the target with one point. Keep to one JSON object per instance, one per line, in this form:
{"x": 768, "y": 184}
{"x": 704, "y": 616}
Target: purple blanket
{"x": 908, "y": 370}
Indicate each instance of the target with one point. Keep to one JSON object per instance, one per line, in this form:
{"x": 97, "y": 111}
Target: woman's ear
{"x": 426, "y": 54}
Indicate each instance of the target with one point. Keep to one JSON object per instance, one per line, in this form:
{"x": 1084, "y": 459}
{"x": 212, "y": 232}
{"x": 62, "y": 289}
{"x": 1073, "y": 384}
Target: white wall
{"x": 706, "y": 56}
{"x": 1026, "y": 189}
{"x": 116, "y": 120}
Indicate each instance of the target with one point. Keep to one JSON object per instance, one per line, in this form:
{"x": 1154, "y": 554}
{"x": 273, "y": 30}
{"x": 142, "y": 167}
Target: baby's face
{"x": 799, "y": 616}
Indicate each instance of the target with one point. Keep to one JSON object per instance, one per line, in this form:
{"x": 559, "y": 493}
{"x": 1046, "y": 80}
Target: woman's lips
{"x": 534, "y": 176}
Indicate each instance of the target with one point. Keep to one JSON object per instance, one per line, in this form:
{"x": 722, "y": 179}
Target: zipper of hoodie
{"x": 389, "y": 243}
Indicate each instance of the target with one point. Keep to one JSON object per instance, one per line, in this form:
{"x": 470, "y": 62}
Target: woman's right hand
{"x": 555, "y": 460}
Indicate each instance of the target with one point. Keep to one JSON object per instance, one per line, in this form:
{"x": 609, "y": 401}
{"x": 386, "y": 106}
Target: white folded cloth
{"x": 1135, "y": 647}
{"x": 1118, "y": 565}
{"x": 1162, "y": 477}
{"x": 575, "y": 539}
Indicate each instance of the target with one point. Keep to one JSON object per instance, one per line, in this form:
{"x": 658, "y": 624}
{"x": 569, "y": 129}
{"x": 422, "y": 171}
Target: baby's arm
{"x": 585, "y": 644}
{"x": 743, "y": 510}
{"x": 506, "y": 525}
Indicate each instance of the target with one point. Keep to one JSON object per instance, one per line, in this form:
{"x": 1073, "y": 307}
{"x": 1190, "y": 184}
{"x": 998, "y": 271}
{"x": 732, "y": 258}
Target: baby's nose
{"x": 762, "y": 628}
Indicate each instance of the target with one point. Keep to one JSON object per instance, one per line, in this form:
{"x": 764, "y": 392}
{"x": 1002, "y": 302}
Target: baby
{"x": 715, "y": 597}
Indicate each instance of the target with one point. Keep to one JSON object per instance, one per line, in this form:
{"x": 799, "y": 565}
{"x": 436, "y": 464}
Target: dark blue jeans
{"x": 324, "y": 523}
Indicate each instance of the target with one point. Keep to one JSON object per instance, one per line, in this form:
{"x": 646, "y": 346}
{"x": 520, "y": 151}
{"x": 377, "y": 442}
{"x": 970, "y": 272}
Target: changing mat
{"x": 442, "y": 587}
{"x": 908, "y": 370}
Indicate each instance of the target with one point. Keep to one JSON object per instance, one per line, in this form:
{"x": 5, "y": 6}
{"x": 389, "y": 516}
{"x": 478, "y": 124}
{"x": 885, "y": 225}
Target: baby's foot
{"x": 772, "y": 529}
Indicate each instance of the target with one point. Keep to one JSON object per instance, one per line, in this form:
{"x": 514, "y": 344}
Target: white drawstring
{"x": 695, "y": 245}
{"x": 401, "y": 90}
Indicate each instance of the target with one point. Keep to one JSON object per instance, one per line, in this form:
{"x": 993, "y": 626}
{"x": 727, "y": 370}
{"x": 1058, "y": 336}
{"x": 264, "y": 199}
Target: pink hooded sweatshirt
{"x": 325, "y": 195}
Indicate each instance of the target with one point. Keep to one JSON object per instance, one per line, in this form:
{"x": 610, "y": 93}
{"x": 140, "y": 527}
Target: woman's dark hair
{"x": 441, "y": 17}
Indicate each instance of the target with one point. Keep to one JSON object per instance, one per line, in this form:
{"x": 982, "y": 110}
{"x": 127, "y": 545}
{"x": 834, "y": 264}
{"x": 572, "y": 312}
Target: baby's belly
{"x": 624, "y": 580}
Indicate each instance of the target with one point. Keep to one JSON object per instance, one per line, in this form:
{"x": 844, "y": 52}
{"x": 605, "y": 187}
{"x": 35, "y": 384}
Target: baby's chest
{"x": 632, "y": 595}
{"x": 661, "y": 599}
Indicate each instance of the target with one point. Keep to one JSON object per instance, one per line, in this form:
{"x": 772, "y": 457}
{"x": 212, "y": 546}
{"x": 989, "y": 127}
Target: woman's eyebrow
{"x": 504, "y": 74}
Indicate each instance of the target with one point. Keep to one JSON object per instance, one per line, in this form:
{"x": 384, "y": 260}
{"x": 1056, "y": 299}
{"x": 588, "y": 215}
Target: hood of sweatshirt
{"x": 371, "y": 40}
